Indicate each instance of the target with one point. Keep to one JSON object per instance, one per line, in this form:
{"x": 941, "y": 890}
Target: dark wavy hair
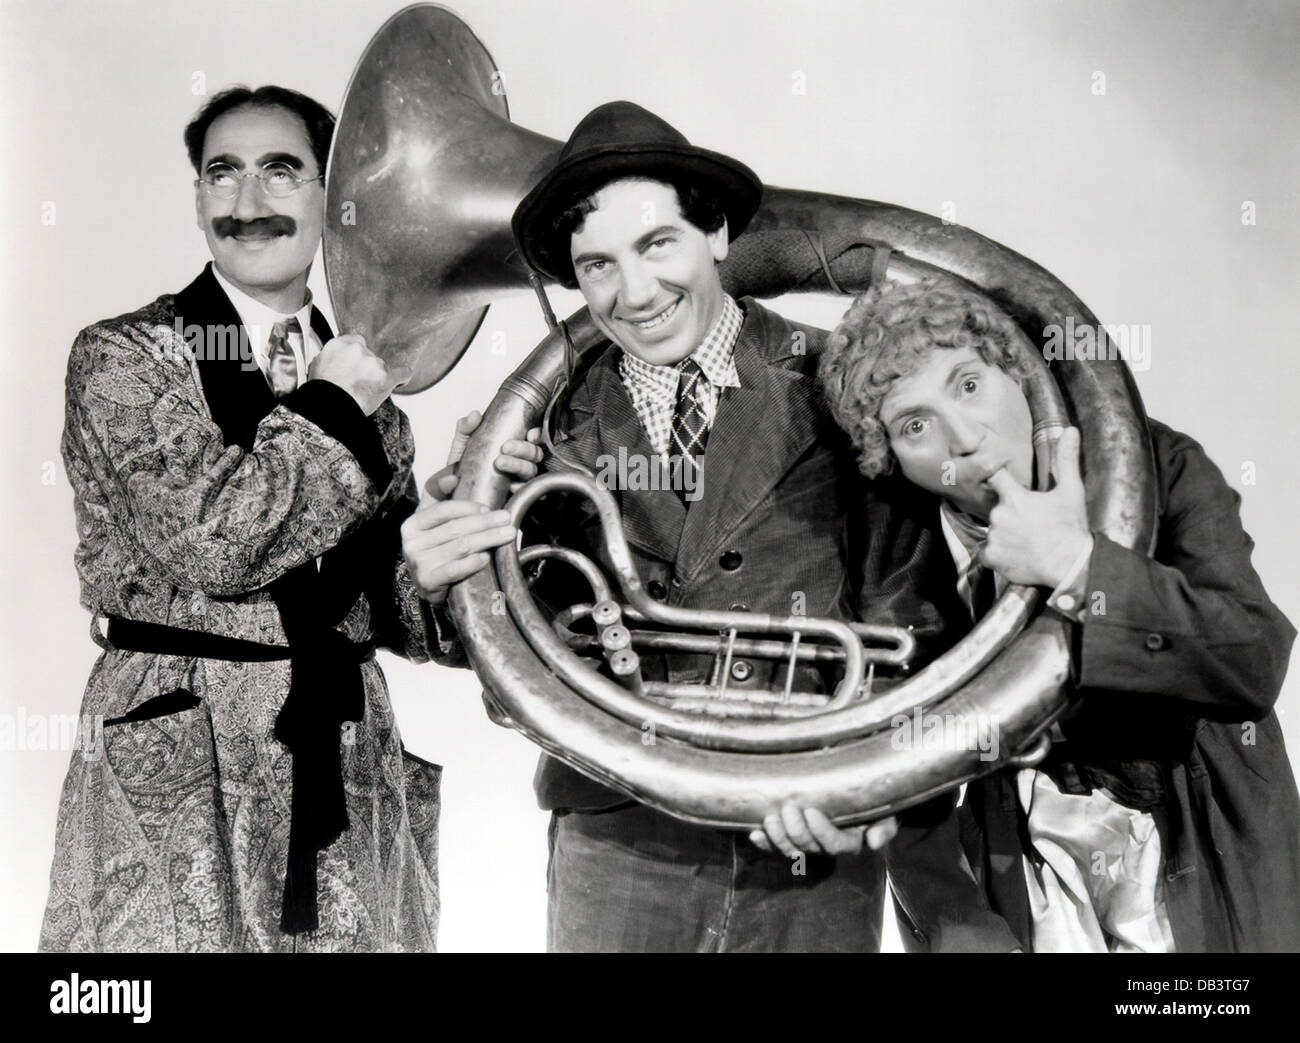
{"x": 886, "y": 335}
{"x": 318, "y": 120}
{"x": 700, "y": 207}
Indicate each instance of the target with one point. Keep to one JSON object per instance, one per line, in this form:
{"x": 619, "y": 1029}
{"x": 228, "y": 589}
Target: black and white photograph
{"x": 672, "y": 477}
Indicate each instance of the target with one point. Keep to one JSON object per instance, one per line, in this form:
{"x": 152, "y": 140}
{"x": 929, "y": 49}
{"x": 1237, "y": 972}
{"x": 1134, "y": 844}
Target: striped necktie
{"x": 282, "y": 366}
{"x": 690, "y": 426}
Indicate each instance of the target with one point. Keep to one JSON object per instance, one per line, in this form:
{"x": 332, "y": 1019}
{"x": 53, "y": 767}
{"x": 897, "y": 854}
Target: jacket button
{"x": 741, "y": 671}
{"x": 657, "y": 590}
{"x": 731, "y": 560}
{"x": 1155, "y": 642}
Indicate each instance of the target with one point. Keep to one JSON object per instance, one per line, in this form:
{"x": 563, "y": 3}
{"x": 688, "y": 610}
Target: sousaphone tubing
{"x": 425, "y": 172}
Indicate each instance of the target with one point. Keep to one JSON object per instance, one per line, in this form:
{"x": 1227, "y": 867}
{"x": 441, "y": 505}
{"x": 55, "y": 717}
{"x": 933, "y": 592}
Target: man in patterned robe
{"x": 240, "y": 478}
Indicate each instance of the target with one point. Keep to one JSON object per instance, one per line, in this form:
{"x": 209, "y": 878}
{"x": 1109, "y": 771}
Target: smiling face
{"x": 262, "y": 244}
{"x": 956, "y": 420}
{"x": 649, "y": 276}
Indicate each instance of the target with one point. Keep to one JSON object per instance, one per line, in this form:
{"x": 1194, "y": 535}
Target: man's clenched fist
{"x": 347, "y": 362}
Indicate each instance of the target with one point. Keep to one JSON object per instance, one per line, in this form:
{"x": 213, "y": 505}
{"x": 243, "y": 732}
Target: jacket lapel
{"x": 238, "y": 397}
{"x": 320, "y": 327}
{"x": 762, "y": 428}
{"x": 603, "y": 422}
{"x": 237, "y": 394}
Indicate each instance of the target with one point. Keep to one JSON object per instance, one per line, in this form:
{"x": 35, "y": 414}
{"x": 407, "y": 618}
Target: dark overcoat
{"x": 1177, "y": 665}
{"x": 785, "y": 524}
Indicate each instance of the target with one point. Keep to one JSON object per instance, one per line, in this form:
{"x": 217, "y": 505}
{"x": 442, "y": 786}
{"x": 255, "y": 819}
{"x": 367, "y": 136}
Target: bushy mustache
{"x": 276, "y": 224}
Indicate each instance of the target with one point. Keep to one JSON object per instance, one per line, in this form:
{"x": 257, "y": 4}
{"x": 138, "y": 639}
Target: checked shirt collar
{"x": 653, "y": 389}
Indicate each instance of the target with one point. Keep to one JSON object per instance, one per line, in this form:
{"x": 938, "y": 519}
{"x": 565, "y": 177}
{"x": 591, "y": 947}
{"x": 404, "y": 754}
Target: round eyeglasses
{"x": 277, "y": 180}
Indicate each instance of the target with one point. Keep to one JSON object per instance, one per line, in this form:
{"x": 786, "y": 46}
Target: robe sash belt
{"x": 325, "y": 690}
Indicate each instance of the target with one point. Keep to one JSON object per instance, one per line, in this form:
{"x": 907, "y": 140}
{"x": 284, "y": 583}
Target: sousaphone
{"x": 425, "y": 172}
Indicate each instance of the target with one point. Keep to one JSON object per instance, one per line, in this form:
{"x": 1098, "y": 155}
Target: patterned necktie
{"x": 282, "y": 367}
{"x": 690, "y": 427}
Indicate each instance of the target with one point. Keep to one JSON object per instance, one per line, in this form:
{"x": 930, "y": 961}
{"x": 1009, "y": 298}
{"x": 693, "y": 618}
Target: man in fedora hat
{"x": 759, "y": 507}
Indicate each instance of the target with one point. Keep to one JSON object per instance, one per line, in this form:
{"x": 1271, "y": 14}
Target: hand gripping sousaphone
{"x": 423, "y": 141}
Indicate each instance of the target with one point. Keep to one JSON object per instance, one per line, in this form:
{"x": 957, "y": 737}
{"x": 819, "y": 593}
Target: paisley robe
{"x": 173, "y": 829}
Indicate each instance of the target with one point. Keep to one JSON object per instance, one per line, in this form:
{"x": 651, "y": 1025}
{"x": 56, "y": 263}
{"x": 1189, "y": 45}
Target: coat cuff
{"x": 336, "y": 413}
{"x": 1121, "y": 637}
{"x": 1071, "y": 594}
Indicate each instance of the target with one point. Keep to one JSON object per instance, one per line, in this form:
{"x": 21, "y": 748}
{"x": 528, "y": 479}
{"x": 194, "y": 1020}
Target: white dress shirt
{"x": 258, "y": 320}
{"x": 653, "y": 389}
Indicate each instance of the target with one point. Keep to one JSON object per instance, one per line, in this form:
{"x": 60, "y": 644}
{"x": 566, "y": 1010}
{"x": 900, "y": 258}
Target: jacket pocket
{"x": 159, "y": 706}
{"x": 167, "y": 856}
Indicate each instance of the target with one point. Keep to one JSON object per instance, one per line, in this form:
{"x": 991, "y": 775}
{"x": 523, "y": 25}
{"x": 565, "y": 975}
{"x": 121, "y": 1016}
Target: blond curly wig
{"x": 886, "y": 335}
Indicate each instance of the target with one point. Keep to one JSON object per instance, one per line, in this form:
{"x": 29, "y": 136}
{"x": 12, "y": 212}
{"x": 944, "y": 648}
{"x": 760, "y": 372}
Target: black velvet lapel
{"x": 237, "y": 397}
{"x": 326, "y": 686}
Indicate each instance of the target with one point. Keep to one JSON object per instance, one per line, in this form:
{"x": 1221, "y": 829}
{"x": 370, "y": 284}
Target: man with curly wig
{"x": 1165, "y": 817}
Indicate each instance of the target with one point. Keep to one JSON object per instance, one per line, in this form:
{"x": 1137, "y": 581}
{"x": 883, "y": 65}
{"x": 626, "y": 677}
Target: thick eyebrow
{"x": 287, "y": 158}
{"x": 226, "y": 159}
{"x": 655, "y": 233}
{"x": 639, "y": 245}
{"x": 588, "y": 257}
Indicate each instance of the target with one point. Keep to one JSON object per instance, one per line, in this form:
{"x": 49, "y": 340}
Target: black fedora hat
{"x": 621, "y": 140}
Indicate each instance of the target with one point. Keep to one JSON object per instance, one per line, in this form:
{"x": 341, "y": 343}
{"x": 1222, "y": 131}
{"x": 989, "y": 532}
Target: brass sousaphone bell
{"x": 424, "y": 175}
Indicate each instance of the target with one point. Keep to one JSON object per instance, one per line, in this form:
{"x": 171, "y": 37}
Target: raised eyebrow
{"x": 224, "y": 160}
{"x": 957, "y": 370}
{"x": 287, "y": 158}
{"x": 227, "y": 160}
{"x": 906, "y": 413}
